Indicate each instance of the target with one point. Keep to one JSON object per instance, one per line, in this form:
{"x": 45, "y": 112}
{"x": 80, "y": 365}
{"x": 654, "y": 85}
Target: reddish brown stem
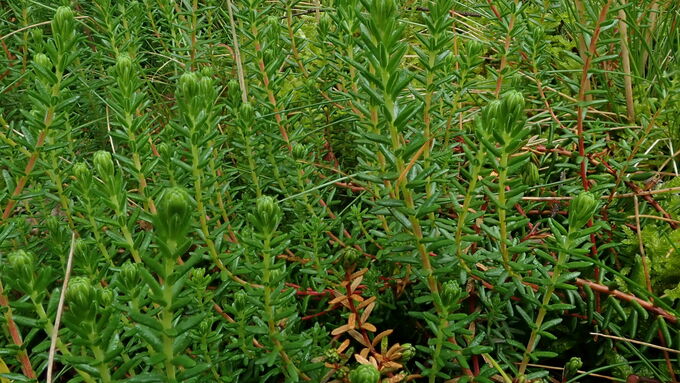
{"x": 27, "y": 173}
{"x": 580, "y": 111}
{"x": 22, "y": 357}
{"x": 628, "y": 298}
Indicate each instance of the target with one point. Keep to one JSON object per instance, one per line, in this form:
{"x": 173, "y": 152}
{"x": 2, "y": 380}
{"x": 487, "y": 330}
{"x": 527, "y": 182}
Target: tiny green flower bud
{"x": 124, "y": 70}
{"x": 234, "y": 92}
{"x": 123, "y": 66}
{"x": 366, "y": 373}
{"x": 22, "y": 265}
{"x": 407, "y": 352}
{"x": 81, "y": 297}
{"x": 206, "y": 89}
{"x": 246, "y": 114}
{"x": 188, "y": 86}
{"x": 174, "y": 214}
{"x": 63, "y": 24}
{"x": 490, "y": 114}
{"x": 341, "y": 373}
{"x": 299, "y": 151}
{"x": 103, "y": 163}
{"x": 43, "y": 61}
{"x": 349, "y": 257}
{"x": 199, "y": 281}
{"x": 382, "y": 11}
{"x": 205, "y": 327}
{"x": 581, "y": 210}
{"x": 267, "y": 215}
{"x": 129, "y": 275}
{"x": 572, "y": 366}
{"x": 83, "y": 175}
{"x": 37, "y": 37}
{"x": 240, "y": 301}
{"x": 515, "y": 117}
{"x": 80, "y": 248}
{"x": 197, "y": 273}
{"x": 515, "y": 103}
{"x": 450, "y": 294}
{"x": 105, "y": 297}
{"x": 332, "y": 356}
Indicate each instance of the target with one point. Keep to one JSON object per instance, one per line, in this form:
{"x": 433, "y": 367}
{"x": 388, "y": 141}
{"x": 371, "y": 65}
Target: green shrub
{"x": 338, "y": 191}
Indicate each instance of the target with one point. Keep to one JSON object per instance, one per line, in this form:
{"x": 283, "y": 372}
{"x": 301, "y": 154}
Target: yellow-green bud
{"x": 188, "y": 85}
{"x": 197, "y": 273}
{"x": 103, "y": 163}
{"x": 205, "y": 327}
{"x": 450, "y": 294}
{"x": 490, "y": 114}
{"x": 332, "y": 356}
{"x": 22, "y": 265}
{"x": 514, "y": 101}
{"x": 124, "y": 66}
{"x": 129, "y": 275}
{"x": 80, "y": 248}
{"x": 124, "y": 73}
{"x": 37, "y": 36}
{"x": 198, "y": 280}
{"x": 247, "y": 114}
{"x": 366, "y": 373}
{"x": 572, "y": 366}
{"x": 299, "y": 151}
{"x": 267, "y": 215}
{"x": 174, "y": 214}
{"x": 234, "y": 92}
{"x": 341, "y": 373}
{"x": 240, "y": 301}
{"x": 349, "y": 257}
{"x": 83, "y": 175}
{"x": 581, "y": 210}
{"x": 407, "y": 352}
{"x": 105, "y": 297}
{"x": 206, "y": 88}
{"x": 63, "y": 24}
{"x": 81, "y": 297}
{"x": 43, "y": 61}
{"x": 267, "y": 207}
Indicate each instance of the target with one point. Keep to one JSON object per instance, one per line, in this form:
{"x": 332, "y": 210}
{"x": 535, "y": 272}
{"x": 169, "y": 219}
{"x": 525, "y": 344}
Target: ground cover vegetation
{"x": 339, "y": 191}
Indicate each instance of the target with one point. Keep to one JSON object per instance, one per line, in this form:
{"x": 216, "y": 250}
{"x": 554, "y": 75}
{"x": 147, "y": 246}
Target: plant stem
{"x": 502, "y": 211}
{"x": 167, "y": 317}
{"x": 562, "y": 259}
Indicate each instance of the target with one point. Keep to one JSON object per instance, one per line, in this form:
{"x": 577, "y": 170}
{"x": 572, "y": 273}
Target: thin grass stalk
{"x": 625, "y": 58}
